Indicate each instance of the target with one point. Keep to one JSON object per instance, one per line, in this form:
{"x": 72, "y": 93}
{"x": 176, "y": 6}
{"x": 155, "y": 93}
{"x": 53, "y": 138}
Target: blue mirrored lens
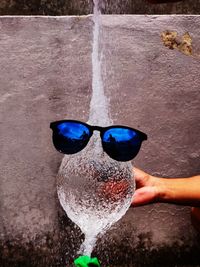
{"x": 122, "y": 144}
{"x": 70, "y": 137}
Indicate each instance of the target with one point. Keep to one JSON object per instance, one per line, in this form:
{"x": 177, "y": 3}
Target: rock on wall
{"x": 67, "y": 7}
{"x": 45, "y": 75}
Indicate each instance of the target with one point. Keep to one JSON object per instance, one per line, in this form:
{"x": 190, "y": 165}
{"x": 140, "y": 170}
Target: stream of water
{"x": 94, "y": 190}
{"x": 99, "y": 106}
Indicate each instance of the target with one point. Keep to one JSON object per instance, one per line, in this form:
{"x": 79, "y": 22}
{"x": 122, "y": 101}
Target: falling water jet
{"x": 94, "y": 190}
{"x": 99, "y": 108}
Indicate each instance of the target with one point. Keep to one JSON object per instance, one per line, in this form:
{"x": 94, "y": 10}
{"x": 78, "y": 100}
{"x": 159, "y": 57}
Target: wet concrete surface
{"x": 45, "y": 75}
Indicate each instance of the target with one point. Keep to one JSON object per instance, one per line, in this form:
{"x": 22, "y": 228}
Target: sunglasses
{"x": 121, "y": 143}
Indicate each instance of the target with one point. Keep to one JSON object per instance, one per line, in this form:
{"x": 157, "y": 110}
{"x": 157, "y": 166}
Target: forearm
{"x": 184, "y": 191}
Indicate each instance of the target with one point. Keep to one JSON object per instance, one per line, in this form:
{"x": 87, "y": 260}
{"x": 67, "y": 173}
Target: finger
{"x": 144, "y": 196}
{"x": 141, "y": 177}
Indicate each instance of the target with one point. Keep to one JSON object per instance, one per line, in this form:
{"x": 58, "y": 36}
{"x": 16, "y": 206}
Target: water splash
{"x": 93, "y": 189}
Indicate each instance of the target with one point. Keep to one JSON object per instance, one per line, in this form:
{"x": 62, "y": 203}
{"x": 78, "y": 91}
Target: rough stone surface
{"x": 45, "y": 75}
{"x": 80, "y": 7}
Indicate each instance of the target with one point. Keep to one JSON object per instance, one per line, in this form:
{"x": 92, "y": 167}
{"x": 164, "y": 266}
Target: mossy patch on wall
{"x": 172, "y": 40}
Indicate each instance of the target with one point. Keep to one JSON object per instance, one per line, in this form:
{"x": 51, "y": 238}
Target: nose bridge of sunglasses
{"x": 98, "y": 129}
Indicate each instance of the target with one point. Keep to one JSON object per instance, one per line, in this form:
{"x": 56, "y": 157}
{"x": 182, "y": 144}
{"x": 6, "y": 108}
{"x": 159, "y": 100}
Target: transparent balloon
{"x": 94, "y": 190}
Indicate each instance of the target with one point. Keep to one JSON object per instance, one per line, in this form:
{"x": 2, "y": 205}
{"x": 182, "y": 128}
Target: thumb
{"x": 144, "y": 195}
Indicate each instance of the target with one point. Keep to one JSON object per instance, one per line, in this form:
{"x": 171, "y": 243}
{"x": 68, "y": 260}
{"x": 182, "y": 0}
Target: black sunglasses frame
{"x": 102, "y": 130}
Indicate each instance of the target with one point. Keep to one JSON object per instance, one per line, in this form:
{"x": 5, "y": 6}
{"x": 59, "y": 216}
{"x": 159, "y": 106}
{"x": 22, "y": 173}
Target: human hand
{"x": 182, "y": 191}
{"x": 148, "y": 188}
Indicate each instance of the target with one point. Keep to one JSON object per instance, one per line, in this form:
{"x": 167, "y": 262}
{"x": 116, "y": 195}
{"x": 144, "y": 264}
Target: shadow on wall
{"x": 74, "y": 7}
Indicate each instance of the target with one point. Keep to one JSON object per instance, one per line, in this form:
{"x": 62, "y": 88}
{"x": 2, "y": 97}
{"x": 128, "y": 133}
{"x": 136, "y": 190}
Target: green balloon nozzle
{"x": 85, "y": 261}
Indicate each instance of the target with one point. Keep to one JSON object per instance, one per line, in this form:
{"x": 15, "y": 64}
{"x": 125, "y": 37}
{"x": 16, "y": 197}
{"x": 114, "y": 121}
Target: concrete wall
{"x": 45, "y": 75}
{"x": 74, "y": 7}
